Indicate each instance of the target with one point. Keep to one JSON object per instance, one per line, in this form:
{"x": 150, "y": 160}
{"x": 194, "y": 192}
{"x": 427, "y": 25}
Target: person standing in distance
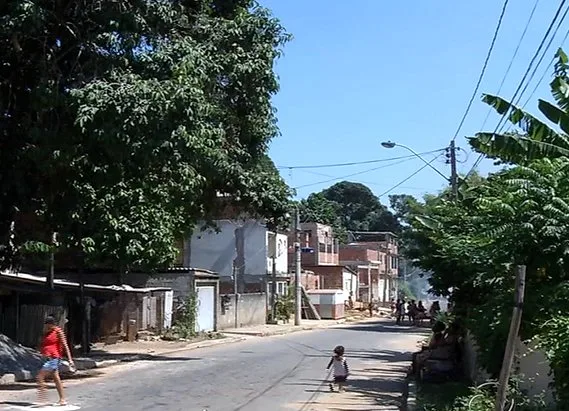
{"x": 52, "y": 348}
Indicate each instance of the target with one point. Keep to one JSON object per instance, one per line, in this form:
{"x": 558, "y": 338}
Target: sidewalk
{"x": 378, "y": 380}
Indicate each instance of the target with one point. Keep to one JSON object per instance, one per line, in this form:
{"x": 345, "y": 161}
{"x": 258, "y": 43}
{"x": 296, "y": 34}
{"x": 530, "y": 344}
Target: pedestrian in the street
{"x": 339, "y": 367}
{"x": 53, "y": 346}
{"x": 400, "y": 313}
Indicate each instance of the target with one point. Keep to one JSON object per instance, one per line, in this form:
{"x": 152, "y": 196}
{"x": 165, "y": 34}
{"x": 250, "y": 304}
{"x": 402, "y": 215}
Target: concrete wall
{"x": 243, "y": 244}
{"x": 251, "y": 310}
{"x": 534, "y": 366}
{"x": 531, "y": 364}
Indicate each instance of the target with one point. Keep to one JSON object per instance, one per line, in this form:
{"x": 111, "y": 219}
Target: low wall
{"x": 251, "y": 310}
{"x": 532, "y": 364}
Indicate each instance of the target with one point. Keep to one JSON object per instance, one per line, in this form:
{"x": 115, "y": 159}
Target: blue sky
{"x": 357, "y": 73}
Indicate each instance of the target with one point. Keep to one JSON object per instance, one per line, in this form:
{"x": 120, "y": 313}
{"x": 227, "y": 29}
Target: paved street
{"x": 271, "y": 373}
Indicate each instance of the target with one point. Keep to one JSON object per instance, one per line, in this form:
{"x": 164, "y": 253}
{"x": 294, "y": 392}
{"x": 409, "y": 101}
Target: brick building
{"x": 374, "y": 256}
{"x": 318, "y": 245}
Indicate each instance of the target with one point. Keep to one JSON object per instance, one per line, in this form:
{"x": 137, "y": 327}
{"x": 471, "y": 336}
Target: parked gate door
{"x": 206, "y": 308}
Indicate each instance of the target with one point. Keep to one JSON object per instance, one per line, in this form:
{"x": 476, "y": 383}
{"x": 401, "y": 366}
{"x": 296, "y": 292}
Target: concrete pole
{"x": 274, "y": 289}
{"x": 298, "y": 268}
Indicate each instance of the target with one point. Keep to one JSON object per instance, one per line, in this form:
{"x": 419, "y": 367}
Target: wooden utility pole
{"x": 453, "y": 172}
{"x": 512, "y": 337}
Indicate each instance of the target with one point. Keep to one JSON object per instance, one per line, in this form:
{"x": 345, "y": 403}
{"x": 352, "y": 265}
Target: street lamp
{"x": 391, "y": 144}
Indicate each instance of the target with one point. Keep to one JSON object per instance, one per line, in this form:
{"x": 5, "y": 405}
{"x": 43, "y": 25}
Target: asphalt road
{"x": 263, "y": 373}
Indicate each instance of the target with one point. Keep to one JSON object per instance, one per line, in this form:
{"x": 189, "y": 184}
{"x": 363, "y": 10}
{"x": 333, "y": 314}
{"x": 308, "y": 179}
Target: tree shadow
{"x": 383, "y": 327}
{"x": 383, "y": 390}
{"x": 381, "y": 355}
{"x": 31, "y": 384}
{"x": 100, "y": 355}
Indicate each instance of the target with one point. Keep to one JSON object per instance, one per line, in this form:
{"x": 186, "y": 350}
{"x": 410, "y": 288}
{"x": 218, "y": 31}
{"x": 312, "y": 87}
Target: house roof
{"x": 200, "y": 273}
{"x": 39, "y": 280}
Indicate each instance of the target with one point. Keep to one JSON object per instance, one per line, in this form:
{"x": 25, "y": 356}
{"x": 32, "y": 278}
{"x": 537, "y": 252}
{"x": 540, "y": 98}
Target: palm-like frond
{"x": 539, "y": 140}
{"x": 559, "y": 85}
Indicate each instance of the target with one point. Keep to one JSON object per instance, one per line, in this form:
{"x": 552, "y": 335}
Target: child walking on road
{"x": 340, "y": 368}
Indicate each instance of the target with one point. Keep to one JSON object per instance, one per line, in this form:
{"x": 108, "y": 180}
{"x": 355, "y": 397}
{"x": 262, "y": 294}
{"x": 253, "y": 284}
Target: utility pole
{"x": 515, "y": 323}
{"x": 453, "y": 174}
{"x": 274, "y": 286}
{"x": 298, "y": 268}
{"x": 235, "y": 295}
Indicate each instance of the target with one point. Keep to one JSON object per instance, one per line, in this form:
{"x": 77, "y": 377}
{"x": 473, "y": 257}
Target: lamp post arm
{"x": 423, "y": 160}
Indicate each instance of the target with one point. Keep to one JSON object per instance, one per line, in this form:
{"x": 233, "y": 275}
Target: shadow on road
{"x": 18, "y": 403}
{"x": 383, "y": 327}
{"x": 98, "y": 355}
{"x": 31, "y": 385}
{"x": 381, "y": 355}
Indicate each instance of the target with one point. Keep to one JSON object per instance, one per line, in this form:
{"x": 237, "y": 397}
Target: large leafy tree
{"x": 360, "y": 209}
{"x": 348, "y": 206}
{"x": 123, "y": 121}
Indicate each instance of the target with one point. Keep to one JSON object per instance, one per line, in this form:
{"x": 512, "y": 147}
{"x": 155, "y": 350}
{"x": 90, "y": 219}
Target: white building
{"x": 244, "y": 247}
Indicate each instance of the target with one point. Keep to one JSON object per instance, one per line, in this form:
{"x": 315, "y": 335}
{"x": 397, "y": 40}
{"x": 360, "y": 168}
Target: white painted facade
{"x": 350, "y": 284}
{"x": 246, "y": 243}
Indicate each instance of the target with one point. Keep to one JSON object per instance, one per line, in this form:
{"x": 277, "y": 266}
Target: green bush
{"x": 187, "y": 320}
{"x": 458, "y": 397}
{"x": 285, "y": 305}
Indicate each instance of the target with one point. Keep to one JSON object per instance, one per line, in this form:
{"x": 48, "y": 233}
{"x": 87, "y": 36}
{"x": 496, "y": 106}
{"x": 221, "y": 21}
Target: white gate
{"x": 206, "y": 308}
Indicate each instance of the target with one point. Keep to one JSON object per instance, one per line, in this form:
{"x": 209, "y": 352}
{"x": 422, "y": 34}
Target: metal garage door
{"x": 206, "y": 309}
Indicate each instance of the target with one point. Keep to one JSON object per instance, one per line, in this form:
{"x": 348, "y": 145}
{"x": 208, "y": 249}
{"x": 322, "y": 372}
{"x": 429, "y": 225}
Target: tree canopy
{"x": 348, "y": 206}
{"x": 123, "y": 121}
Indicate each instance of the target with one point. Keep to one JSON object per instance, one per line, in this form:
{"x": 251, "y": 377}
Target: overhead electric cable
{"x": 353, "y": 174}
{"x": 528, "y": 22}
{"x": 557, "y": 13}
{"x": 407, "y": 178}
{"x": 354, "y": 163}
{"x": 485, "y": 65}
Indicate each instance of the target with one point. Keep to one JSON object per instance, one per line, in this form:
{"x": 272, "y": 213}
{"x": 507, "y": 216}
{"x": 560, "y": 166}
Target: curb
{"x": 410, "y": 395}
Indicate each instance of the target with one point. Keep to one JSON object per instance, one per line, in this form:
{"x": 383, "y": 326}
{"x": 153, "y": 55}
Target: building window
{"x": 394, "y": 263}
{"x": 281, "y": 288}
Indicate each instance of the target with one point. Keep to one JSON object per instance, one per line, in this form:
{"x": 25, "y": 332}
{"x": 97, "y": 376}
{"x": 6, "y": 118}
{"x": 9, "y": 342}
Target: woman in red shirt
{"x": 53, "y": 345}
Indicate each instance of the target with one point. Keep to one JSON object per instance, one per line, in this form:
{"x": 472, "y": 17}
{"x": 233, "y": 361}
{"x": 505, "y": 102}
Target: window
{"x": 281, "y": 288}
{"x": 394, "y": 263}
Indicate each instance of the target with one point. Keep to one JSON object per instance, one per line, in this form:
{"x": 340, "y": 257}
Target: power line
{"x": 544, "y": 72}
{"x": 483, "y": 69}
{"x": 535, "y": 56}
{"x": 512, "y": 59}
{"x": 557, "y": 13}
{"x": 371, "y": 183}
{"x": 352, "y": 175}
{"x": 354, "y": 163}
{"x": 407, "y": 178}
{"x": 545, "y": 52}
